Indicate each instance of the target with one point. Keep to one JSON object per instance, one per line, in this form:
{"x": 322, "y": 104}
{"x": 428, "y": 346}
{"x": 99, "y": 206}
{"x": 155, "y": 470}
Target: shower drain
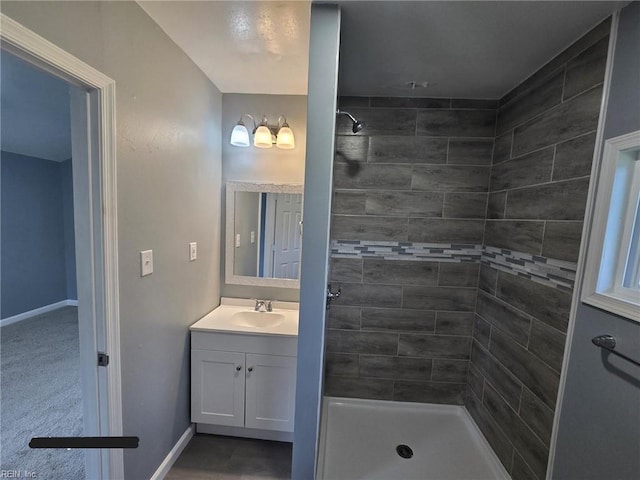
{"x": 404, "y": 451}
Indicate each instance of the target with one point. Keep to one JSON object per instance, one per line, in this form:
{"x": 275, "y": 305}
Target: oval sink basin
{"x": 257, "y": 319}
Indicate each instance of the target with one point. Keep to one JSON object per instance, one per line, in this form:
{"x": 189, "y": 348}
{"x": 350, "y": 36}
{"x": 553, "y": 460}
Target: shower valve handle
{"x": 331, "y": 295}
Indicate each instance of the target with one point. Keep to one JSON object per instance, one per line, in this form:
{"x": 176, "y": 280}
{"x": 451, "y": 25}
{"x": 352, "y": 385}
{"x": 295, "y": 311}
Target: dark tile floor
{"x": 213, "y": 457}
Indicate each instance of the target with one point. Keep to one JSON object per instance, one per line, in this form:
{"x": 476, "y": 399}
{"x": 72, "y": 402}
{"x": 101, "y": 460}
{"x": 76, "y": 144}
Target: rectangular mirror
{"x": 263, "y": 234}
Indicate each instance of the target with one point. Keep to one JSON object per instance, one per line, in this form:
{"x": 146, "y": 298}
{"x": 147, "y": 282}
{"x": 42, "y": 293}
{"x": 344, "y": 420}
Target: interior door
{"x": 288, "y": 239}
{"x": 89, "y": 269}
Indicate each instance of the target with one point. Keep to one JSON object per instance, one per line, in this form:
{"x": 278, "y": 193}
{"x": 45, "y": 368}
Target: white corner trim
{"x": 37, "y": 311}
{"x": 175, "y": 452}
{"x": 584, "y": 245}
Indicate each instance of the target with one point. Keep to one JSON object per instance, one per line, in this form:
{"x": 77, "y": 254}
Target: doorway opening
{"x": 91, "y": 103}
{"x": 39, "y": 353}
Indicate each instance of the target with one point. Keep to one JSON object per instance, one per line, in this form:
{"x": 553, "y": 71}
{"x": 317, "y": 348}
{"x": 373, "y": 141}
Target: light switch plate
{"x": 146, "y": 263}
{"x": 193, "y": 251}
{"x": 237, "y": 240}
{"x": 253, "y": 237}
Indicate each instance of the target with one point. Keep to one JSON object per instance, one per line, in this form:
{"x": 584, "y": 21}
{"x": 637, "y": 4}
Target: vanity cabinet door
{"x": 217, "y": 387}
{"x": 270, "y": 392}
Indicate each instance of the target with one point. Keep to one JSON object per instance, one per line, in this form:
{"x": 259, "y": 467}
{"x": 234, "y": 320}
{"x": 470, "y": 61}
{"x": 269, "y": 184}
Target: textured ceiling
{"x": 477, "y": 49}
{"x": 242, "y": 46}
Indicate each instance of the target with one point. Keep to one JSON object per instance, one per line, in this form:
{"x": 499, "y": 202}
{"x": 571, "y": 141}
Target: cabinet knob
{"x": 250, "y": 369}
{"x": 238, "y": 368}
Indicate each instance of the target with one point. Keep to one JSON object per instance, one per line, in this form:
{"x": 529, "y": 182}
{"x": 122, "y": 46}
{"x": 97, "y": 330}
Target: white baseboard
{"x": 175, "y": 452}
{"x": 38, "y": 311}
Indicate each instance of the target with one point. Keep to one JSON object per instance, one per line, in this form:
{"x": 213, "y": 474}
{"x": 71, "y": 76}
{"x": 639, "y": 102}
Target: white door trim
{"x": 44, "y": 54}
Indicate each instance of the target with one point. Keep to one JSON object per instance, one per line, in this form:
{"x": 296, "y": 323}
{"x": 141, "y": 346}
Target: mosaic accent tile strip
{"x": 547, "y": 271}
{"x": 412, "y": 251}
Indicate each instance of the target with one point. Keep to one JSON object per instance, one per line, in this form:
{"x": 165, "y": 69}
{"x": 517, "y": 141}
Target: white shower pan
{"x": 360, "y": 439}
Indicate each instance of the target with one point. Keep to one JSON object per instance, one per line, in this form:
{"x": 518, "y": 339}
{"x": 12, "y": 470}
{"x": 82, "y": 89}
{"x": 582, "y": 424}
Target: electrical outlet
{"x": 146, "y": 263}
{"x": 193, "y": 251}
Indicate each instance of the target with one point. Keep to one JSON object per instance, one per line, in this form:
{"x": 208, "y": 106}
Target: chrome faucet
{"x": 260, "y": 304}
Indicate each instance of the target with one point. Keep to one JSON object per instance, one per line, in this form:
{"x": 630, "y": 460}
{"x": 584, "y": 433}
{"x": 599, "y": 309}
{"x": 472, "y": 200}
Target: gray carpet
{"x": 40, "y": 394}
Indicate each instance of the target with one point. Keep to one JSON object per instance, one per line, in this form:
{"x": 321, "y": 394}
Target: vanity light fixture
{"x": 264, "y": 135}
{"x": 285, "y": 138}
{"x": 240, "y": 134}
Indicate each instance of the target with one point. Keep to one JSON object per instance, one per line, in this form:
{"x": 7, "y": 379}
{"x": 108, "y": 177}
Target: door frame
{"x": 269, "y": 234}
{"x": 100, "y": 220}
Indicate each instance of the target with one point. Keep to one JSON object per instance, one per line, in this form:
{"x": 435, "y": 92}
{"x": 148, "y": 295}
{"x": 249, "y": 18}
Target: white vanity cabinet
{"x": 270, "y": 392}
{"x": 243, "y": 384}
{"x": 217, "y": 387}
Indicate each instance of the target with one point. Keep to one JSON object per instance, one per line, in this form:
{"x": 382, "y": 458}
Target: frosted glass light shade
{"x": 286, "y": 139}
{"x": 262, "y": 137}
{"x": 240, "y": 136}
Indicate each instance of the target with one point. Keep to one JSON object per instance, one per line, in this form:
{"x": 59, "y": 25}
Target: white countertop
{"x": 230, "y": 317}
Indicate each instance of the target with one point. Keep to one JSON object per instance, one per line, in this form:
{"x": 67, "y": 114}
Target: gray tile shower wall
{"x": 545, "y": 137}
{"x": 410, "y": 195}
{"x": 456, "y": 226}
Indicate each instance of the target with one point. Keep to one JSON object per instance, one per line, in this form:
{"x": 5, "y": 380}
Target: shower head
{"x": 357, "y": 124}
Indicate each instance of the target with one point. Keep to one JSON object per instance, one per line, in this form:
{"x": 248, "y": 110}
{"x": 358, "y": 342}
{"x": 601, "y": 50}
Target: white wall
{"x": 169, "y": 170}
{"x": 264, "y": 165}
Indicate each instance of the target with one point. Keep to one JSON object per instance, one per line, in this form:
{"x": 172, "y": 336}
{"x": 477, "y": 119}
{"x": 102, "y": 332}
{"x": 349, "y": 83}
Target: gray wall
{"x": 37, "y": 255}
{"x": 539, "y": 180}
{"x": 253, "y": 164}
{"x": 417, "y": 174}
{"x": 247, "y": 220}
{"x": 599, "y": 427}
{"x": 169, "y": 168}
{"x": 324, "y": 46}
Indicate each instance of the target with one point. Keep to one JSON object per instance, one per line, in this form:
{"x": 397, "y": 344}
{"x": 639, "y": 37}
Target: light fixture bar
{"x": 264, "y": 135}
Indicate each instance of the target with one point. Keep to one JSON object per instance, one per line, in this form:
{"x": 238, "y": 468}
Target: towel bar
{"x": 608, "y": 342}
